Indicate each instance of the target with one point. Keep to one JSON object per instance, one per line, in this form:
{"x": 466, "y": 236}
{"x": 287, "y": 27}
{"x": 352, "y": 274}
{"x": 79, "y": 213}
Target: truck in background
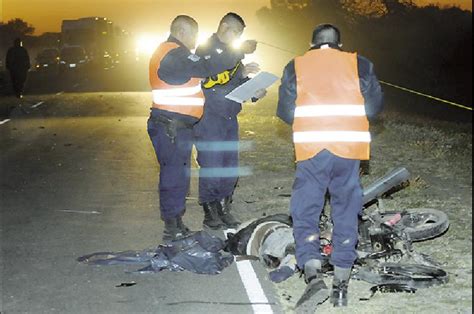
{"x": 96, "y": 36}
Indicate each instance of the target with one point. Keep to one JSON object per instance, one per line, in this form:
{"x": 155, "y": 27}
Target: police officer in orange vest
{"x": 175, "y": 77}
{"x": 328, "y": 96}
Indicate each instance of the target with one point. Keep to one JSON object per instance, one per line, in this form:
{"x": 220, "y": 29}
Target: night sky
{"x": 140, "y": 15}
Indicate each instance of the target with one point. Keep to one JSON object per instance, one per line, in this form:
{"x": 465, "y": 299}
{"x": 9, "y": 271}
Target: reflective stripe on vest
{"x": 330, "y": 112}
{"x": 178, "y": 96}
{"x": 330, "y": 136}
{"x": 187, "y": 99}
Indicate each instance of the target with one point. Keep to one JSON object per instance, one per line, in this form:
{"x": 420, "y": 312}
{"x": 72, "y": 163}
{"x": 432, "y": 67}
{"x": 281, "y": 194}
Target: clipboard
{"x": 246, "y": 91}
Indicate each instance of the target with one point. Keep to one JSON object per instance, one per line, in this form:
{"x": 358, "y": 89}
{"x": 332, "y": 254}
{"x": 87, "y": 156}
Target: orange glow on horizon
{"x": 136, "y": 16}
{"x": 143, "y": 15}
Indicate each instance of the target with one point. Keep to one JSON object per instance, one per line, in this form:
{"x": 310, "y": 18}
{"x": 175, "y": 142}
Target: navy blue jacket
{"x": 180, "y": 65}
{"x": 369, "y": 85}
{"x": 216, "y": 102}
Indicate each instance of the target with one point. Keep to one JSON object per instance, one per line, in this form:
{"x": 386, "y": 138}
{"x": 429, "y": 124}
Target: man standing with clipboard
{"x": 217, "y": 133}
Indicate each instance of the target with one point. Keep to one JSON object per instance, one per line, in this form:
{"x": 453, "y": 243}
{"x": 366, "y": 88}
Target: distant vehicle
{"x": 96, "y": 35}
{"x": 47, "y": 59}
{"x": 72, "y": 58}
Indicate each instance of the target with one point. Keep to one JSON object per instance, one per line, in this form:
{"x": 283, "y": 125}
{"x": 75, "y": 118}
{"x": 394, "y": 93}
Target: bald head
{"x": 326, "y": 34}
{"x": 185, "y": 29}
{"x": 182, "y": 23}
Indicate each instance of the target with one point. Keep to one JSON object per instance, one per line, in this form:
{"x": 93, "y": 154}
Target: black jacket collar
{"x": 331, "y": 45}
{"x": 172, "y": 39}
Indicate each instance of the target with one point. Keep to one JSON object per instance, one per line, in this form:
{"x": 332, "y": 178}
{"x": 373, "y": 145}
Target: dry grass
{"x": 438, "y": 155}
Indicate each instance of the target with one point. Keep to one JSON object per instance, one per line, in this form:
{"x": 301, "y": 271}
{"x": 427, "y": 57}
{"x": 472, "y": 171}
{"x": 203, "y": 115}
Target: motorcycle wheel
{"x": 423, "y": 223}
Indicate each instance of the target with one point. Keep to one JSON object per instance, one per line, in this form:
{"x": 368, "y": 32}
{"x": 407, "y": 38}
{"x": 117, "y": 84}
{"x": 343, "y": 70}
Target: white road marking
{"x": 252, "y": 285}
{"x": 38, "y": 104}
{"x": 254, "y": 289}
{"x": 79, "y": 212}
{"x": 60, "y": 93}
{"x": 4, "y": 121}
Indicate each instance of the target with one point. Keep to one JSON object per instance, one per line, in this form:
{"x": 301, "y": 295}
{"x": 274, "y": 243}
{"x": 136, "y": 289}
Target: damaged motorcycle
{"x": 386, "y": 257}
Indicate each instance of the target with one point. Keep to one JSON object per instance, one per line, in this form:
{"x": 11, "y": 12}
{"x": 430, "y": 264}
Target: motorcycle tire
{"x": 423, "y": 223}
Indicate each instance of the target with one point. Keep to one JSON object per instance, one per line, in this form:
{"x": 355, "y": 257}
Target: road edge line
{"x": 252, "y": 285}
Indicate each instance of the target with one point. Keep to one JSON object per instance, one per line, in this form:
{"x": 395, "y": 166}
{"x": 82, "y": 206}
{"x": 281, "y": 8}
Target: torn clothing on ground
{"x": 199, "y": 253}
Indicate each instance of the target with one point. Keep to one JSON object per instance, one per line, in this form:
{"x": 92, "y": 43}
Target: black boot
{"x": 211, "y": 216}
{"x": 184, "y": 229}
{"x": 339, "y": 293}
{"x": 316, "y": 291}
{"x": 339, "y": 286}
{"x": 225, "y": 215}
{"x": 172, "y": 231}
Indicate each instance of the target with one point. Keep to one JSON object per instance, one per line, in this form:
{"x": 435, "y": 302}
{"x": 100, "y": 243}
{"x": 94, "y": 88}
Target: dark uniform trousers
{"x": 175, "y": 168}
{"x": 339, "y": 176}
{"x": 217, "y": 141}
{"x": 18, "y": 79}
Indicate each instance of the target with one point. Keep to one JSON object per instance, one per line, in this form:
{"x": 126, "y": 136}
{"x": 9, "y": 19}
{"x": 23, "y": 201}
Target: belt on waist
{"x": 170, "y": 121}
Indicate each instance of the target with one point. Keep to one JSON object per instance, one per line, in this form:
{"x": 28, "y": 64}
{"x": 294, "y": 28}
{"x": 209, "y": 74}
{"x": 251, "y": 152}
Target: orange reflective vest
{"x": 330, "y": 112}
{"x": 187, "y": 99}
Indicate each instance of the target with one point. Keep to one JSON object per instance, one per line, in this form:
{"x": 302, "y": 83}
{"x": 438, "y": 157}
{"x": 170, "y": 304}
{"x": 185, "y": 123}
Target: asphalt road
{"x": 79, "y": 175}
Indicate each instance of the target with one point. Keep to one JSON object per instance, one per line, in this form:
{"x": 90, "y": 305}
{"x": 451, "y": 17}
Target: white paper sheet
{"x": 246, "y": 91}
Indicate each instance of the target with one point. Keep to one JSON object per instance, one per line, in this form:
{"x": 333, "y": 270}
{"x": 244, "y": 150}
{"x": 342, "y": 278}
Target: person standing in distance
{"x": 18, "y": 64}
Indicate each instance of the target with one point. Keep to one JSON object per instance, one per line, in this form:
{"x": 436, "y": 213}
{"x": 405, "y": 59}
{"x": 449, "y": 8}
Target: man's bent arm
{"x": 287, "y": 94}
{"x": 179, "y": 65}
{"x": 370, "y": 88}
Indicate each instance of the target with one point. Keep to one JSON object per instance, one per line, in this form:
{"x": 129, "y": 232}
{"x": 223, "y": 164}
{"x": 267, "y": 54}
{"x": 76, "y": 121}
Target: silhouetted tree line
{"x": 425, "y": 48}
{"x": 18, "y": 28}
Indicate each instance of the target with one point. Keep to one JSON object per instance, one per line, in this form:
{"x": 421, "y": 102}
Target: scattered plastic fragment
{"x": 126, "y": 284}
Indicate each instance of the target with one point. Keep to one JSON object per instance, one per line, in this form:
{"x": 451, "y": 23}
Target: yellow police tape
{"x": 425, "y": 95}
{"x": 386, "y": 83}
